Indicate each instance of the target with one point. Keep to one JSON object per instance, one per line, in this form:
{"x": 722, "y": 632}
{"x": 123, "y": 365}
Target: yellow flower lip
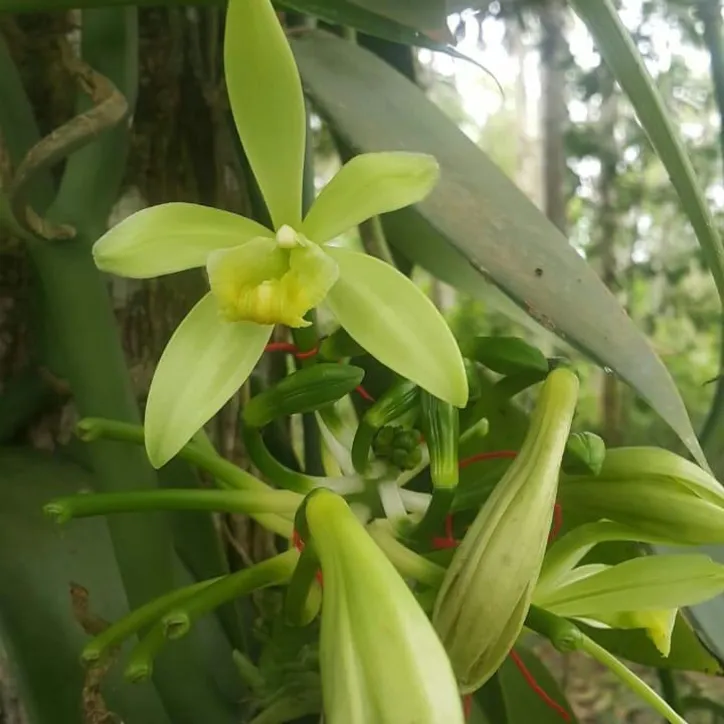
{"x": 271, "y": 281}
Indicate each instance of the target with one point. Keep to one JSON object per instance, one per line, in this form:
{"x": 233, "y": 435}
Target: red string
{"x": 537, "y": 687}
{"x": 557, "y": 522}
{"x": 495, "y": 455}
{"x": 290, "y": 348}
{"x": 364, "y": 394}
{"x": 298, "y": 543}
{"x": 467, "y": 706}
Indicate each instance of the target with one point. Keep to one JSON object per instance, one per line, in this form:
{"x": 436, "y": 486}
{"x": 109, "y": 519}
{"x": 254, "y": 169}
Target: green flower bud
{"x": 584, "y": 455}
{"x": 653, "y": 491}
{"x": 380, "y": 658}
{"x": 486, "y": 593}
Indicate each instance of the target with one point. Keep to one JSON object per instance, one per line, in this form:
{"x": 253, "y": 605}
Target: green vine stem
{"x": 407, "y": 562}
{"x": 225, "y": 473}
{"x": 639, "y": 687}
{"x": 283, "y": 476}
{"x": 137, "y": 620}
{"x": 140, "y": 661}
{"x": 272, "y": 572}
{"x": 282, "y": 502}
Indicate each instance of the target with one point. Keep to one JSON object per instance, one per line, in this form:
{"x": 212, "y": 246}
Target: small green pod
{"x": 508, "y": 355}
{"x": 306, "y": 390}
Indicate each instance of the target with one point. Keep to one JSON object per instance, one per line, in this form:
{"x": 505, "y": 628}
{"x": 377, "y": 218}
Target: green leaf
{"x": 523, "y": 704}
{"x": 366, "y": 186}
{"x": 384, "y": 312}
{"x": 38, "y": 629}
{"x": 640, "y": 584}
{"x": 170, "y": 238}
{"x": 687, "y": 652}
{"x": 204, "y": 363}
{"x": 478, "y": 210}
{"x": 267, "y": 103}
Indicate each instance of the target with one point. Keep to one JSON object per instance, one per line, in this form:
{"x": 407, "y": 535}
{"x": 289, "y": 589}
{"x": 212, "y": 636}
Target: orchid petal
{"x": 170, "y": 238}
{"x": 368, "y": 185}
{"x": 266, "y": 98}
{"x": 203, "y": 365}
{"x": 384, "y": 312}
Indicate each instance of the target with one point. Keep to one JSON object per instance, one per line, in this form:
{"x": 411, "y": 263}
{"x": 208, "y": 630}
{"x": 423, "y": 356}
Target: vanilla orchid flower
{"x": 260, "y": 277}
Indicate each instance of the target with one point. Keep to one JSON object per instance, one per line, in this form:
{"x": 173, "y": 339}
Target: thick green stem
{"x": 254, "y": 502}
{"x": 91, "y": 429}
{"x": 271, "y": 572}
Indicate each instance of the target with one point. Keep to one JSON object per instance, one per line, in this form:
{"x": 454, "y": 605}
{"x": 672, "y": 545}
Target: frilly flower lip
{"x": 260, "y": 277}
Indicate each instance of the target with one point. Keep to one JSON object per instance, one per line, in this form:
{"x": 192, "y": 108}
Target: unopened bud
{"x": 380, "y": 658}
{"x": 653, "y": 491}
{"x": 486, "y": 593}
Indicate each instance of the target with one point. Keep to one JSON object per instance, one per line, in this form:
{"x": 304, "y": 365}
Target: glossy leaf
{"x": 366, "y": 186}
{"x": 204, "y": 363}
{"x": 170, "y": 238}
{"x": 481, "y": 212}
{"x": 267, "y": 103}
{"x": 639, "y": 584}
{"x": 384, "y": 312}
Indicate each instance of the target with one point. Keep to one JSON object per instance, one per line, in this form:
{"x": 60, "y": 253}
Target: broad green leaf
{"x": 366, "y": 186}
{"x": 687, "y": 652}
{"x": 39, "y": 631}
{"x": 477, "y": 209}
{"x": 267, "y": 103}
{"x": 170, "y": 238}
{"x": 523, "y": 704}
{"x": 384, "y": 312}
{"x": 204, "y": 363}
{"x": 646, "y": 583}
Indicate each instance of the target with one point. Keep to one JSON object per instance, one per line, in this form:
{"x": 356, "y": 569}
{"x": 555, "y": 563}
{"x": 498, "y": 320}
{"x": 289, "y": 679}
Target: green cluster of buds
{"x": 399, "y": 446}
{"x": 484, "y": 598}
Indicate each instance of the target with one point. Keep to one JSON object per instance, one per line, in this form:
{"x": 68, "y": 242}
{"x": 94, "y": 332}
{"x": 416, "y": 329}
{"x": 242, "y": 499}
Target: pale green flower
{"x": 644, "y": 592}
{"x": 260, "y": 277}
{"x": 380, "y": 658}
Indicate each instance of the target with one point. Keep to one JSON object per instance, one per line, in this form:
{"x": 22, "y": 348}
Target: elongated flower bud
{"x": 486, "y": 593}
{"x": 653, "y": 491}
{"x": 380, "y": 658}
